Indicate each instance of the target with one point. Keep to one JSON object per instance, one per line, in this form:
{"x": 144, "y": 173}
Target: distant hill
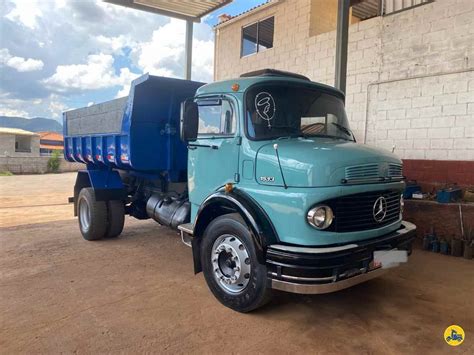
{"x": 31, "y": 124}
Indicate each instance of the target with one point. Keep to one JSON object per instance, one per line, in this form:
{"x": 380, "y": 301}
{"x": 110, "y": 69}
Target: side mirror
{"x": 189, "y": 120}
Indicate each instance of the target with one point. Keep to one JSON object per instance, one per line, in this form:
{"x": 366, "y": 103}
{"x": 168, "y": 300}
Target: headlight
{"x": 320, "y": 217}
{"x": 402, "y": 204}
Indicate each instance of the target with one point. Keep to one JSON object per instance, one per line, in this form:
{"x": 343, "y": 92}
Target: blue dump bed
{"x": 139, "y": 133}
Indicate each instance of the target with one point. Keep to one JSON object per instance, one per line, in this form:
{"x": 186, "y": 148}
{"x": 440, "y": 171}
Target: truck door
{"x": 213, "y": 159}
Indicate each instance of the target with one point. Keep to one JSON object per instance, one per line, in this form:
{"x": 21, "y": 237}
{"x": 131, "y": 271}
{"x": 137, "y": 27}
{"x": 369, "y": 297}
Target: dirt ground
{"x": 138, "y": 294}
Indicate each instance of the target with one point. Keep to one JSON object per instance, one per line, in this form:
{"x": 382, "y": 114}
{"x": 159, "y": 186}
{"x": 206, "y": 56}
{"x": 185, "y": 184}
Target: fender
{"x": 220, "y": 203}
{"x": 107, "y": 185}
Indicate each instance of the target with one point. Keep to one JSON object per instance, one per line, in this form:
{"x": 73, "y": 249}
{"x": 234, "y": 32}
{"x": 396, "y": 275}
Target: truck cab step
{"x": 186, "y": 231}
{"x": 187, "y": 228}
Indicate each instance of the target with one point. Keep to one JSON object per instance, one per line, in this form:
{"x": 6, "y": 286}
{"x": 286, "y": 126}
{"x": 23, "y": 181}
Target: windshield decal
{"x": 265, "y": 106}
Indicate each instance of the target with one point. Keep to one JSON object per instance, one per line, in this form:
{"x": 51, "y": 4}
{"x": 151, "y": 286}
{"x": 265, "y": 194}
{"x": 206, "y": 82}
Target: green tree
{"x": 54, "y": 161}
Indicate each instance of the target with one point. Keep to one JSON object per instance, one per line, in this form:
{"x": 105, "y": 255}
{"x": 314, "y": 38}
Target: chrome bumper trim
{"x": 307, "y": 250}
{"x": 325, "y": 288}
{"x": 322, "y": 250}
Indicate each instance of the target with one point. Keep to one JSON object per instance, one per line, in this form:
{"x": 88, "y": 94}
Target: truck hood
{"x": 317, "y": 161}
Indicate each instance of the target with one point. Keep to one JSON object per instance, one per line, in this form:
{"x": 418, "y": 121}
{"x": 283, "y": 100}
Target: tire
{"x": 226, "y": 238}
{"x": 115, "y": 218}
{"x": 92, "y": 215}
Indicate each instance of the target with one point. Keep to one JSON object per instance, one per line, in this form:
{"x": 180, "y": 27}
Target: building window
{"x": 393, "y": 6}
{"x": 22, "y": 144}
{"x": 257, "y": 36}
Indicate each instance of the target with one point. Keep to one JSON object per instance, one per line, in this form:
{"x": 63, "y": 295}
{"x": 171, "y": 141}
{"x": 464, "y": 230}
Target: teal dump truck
{"x": 260, "y": 175}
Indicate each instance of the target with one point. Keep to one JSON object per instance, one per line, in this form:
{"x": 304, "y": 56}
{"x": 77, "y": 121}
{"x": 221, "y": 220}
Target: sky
{"x": 57, "y": 55}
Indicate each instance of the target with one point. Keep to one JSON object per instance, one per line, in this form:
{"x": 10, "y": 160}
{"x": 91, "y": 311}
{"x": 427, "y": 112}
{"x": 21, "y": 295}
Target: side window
{"x": 216, "y": 117}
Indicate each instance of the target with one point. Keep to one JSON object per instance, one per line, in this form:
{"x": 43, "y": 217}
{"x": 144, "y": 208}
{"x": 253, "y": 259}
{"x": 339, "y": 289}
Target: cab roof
{"x": 261, "y": 76}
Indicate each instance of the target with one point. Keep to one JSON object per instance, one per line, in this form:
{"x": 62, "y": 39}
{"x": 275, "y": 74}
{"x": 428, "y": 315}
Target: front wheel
{"x": 230, "y": 265}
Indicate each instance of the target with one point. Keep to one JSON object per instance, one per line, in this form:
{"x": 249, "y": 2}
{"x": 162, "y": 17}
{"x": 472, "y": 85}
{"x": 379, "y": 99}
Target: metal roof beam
{"x": 133, "y": 5}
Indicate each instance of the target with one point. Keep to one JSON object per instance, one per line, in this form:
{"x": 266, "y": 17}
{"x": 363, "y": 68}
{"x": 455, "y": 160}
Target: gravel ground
{"x": 136, "y": 294}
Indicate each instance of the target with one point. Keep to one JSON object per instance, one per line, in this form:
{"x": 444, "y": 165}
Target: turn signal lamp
{"x": 228, "y": 187}
{"x": 235, "y": 87}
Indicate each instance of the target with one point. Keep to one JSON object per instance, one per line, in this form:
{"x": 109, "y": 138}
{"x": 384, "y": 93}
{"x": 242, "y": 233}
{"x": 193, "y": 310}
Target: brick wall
{"x": 443, "y": 218}
{"x": 410, "y": 77}
{"x": 34, "y": 165}
{"x": 432, "y": 174}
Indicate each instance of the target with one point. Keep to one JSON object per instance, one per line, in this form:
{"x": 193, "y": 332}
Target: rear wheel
{"x": 92, "y": 215}
{"x": 230, "y": 265}
{"x": 115, "y": 218}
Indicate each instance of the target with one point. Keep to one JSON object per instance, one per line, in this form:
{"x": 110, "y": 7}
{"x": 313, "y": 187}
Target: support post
{"x": 342, "y": 36}
{"x": 188, "y": 50}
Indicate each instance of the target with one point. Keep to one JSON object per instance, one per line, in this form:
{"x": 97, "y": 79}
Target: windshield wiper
{"x": 293, "y": 135}
{"x": 344, "y": 129}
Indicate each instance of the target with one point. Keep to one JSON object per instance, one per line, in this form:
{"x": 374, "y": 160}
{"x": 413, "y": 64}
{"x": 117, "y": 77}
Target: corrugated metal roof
{"x": 366, "y": 9}
{"x": 185, "y": 9}
{"x": 252, "y": 9}
{"x": 16, "y": 131}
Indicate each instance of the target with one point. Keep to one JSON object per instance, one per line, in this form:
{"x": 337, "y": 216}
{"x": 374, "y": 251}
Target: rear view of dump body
{"x": 138, "y": 133}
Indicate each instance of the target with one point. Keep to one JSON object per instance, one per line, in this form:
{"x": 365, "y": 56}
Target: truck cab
{"x": 278, "y": 194}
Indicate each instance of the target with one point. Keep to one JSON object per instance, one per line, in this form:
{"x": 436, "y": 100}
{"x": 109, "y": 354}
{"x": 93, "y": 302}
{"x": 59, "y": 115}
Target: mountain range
{"x": 36, "y": 124}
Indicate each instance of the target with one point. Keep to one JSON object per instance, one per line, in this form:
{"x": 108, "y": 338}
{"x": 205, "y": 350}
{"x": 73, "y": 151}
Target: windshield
{"x": 275, "y": 111}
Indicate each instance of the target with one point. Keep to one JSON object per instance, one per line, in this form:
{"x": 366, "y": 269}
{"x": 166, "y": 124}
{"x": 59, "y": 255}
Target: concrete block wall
{"x": 34, "y": 165}
{"x": 410, "y": 77}
{"x": 424, "y": 118}
{"x": 7, "y": 146}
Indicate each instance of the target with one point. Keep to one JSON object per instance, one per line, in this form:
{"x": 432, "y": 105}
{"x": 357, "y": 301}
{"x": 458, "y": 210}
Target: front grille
{"x": 395, "y": 171}
{"x": 356, "y": 212}
{"x": 368, "y": 173}
{"x": 360, "y": 172}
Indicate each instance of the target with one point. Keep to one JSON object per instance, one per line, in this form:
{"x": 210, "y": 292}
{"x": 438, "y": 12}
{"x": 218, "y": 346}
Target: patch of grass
{"x": 6, "y": 173}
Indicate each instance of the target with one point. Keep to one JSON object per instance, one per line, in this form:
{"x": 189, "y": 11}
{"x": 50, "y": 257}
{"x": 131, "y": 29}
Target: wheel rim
{"x": 84, "y": 214}
{"x": 231, "y": 263}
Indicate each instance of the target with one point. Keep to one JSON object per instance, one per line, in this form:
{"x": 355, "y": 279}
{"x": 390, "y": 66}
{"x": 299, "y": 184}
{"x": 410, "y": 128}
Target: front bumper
{"x": 313, "y": 270}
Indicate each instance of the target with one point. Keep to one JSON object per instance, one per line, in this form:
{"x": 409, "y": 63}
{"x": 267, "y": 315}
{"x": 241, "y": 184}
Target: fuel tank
{"x": 168, "y": 211}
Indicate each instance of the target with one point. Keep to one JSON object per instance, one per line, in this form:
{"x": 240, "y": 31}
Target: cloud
{"x": 72, "y": 52}
{"x": 97, "y": 73}
{"x": 164, "y": 53}
{"x": 5, "y": 111}
{"x": 15, "y": 107}
{"x": 56, "y": 107}
{"x": 25, "y": 12}
{"x": 19, "y": 63}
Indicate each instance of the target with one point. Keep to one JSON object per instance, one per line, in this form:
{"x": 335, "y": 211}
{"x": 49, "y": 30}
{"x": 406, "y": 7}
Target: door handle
{"x": 194, "y": 146}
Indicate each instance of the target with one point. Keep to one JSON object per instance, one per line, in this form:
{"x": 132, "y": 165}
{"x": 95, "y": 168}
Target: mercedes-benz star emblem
{"x": 380, "y": 209}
